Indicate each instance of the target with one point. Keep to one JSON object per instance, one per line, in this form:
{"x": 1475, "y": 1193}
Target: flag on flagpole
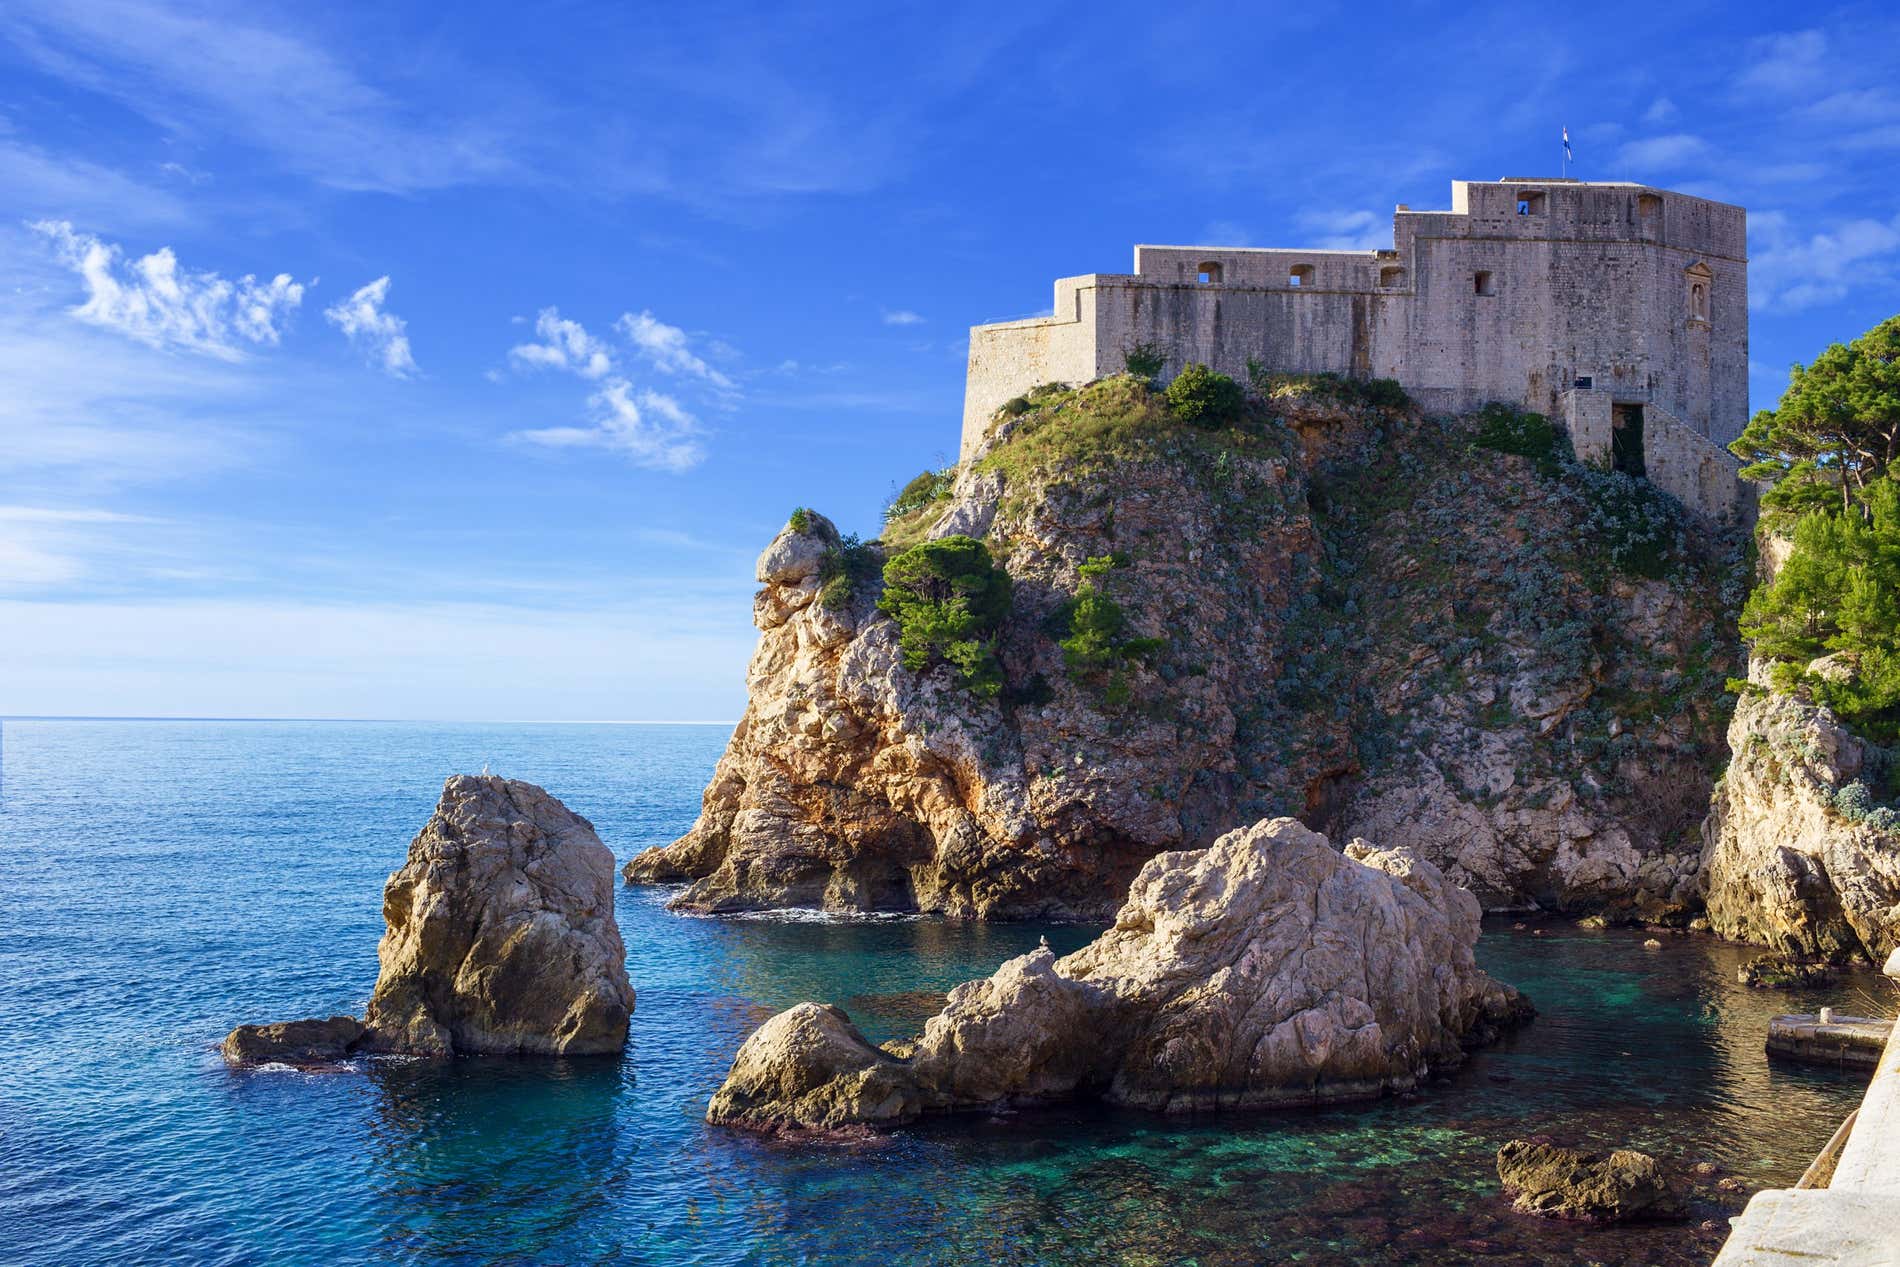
{"x": 1568, "y": 156}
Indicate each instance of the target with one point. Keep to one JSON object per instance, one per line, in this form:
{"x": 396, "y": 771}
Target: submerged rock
{"x": 295, "y": 1042}
{"x": 1782, "y": 972}
{"x": 1266, "y": 969}
{"x": 1793, "y": 858}
{"x": 500, "y": 938}
{"x": 1568, "y": 1183}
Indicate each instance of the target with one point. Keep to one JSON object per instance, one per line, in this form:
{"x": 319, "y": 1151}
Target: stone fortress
{"x": 1619, "y": 309}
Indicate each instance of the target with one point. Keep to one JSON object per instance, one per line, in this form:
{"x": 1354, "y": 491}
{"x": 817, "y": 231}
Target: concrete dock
{"x": 1824, "y": 1039}
{"x": 1855, "y": 1220}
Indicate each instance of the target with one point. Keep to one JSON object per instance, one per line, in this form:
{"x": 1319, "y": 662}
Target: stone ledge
{"x": 1842, "y": 1040}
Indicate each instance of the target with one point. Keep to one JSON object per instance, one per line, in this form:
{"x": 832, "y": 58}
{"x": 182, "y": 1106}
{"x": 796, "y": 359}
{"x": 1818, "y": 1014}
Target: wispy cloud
{"x": 1662, "y": 153}
{"x": 1342, "y": 230}
{"x": 647, "y": 428}
{"x": 1789, "y": 271}
{"x": 43, "y": 546}
{"x": 667, "y": 348}
{"x": 1660, "y": 111}
{"x": 154, "y": 301}
{"x": 1785, "y": 63}
{"x": 198, "y": 72}
{"x": 902, "y": 317}
{"x": 563, "y": 345}
{"x": 380, "y": 333}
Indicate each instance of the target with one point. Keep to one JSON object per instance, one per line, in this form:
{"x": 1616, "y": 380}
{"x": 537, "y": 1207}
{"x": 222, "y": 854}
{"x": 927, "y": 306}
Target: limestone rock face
{"x": 1785, "y": 866}
{"x": 1266, "y": 969}
{"x": 809, "y": 1069}
{"x": 1566, "y": 1183}
{"x": 1358, "y": 625}
{"x": 500, "y": 931}
{"x": 500, "y": 939}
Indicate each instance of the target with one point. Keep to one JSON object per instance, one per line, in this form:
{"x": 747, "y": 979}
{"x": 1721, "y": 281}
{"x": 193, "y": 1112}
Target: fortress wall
{"x": 1008, "y": 358}
{"x": 1302, "y": 331}
{"x": 1266, "y": 269}
{"x": 1693, "y": 469}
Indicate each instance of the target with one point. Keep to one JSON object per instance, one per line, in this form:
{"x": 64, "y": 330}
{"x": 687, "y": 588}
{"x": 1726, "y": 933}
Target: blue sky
{"x": 429, "y": 361}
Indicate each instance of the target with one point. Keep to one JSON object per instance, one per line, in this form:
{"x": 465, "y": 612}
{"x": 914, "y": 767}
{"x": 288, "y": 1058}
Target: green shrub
{"x": 949, "y": 599}
{"x": 847, "y": 568}
{"x": 1205, "y": 398}
{"x": 927, "y": 487}
{"x": 1145, "y": 360}
{"x": 800, "y": 520}
{"x": 1639, "y": 529}
{"x": 1839, "y": 591}
{"x": 1385, "y": 393}
{"x": 1016, "y": 406}
{"x": 1380, "y": 393}
{"x": 1507, "y": 429}
{"x": 1095, "y": 628}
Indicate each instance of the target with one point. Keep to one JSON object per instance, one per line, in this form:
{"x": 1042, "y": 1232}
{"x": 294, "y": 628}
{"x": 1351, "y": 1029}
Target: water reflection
{"x": 495, "y": 1158}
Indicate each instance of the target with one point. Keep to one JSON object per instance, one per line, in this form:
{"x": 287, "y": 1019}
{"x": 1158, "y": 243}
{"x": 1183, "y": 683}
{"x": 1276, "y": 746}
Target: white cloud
{"x": 154, "y": 301}
{"x": 647, "y": 428}
{"x": 564, "y": 345}
{"x": 1348, "y": 230}
{"x": 1785, "y": 63}
{"x": 380, "y": 333}
{"x": 1662, "y": 152}
{"x": 901, "y": 317}
{"x": 1788, "y": 272}
{"x": 667, "y": 348}
{"x": 1662, "y": 110}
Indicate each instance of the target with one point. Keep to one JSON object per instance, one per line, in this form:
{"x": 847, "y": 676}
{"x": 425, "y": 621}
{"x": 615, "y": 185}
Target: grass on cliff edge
{"x": 1117, "y": 419}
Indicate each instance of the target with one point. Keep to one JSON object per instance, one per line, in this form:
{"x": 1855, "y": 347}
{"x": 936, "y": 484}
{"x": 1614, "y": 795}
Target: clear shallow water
{"x": 164, "y": 881}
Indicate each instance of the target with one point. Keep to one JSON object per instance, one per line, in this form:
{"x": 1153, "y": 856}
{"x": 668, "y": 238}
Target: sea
{"x": 163, "y": 881}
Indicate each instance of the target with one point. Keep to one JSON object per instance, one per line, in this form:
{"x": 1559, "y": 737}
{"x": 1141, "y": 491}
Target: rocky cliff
{"x": 1437, "y": 633}
{"x": 1801, "y": 855}
{"x": 1266, "y": 969}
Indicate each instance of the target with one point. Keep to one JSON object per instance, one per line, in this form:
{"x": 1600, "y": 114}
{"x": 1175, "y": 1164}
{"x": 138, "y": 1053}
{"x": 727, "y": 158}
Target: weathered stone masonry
{"x": 1606, "y": 305}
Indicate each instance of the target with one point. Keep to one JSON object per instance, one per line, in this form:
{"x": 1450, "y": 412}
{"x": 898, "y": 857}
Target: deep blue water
{"x": 164, "y": 881}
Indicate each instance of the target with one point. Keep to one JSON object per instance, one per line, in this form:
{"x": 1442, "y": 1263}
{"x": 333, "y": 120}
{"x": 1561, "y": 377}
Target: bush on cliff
{"x": 848, "y": 567}
{"x": 1507, "y": 429}
{"x": 1145, "y": 361}
{"x": 1380, "y": 393}
{"x": 1205, "y": 398}
{"x": 949, "y": 598}
{"x": 1096, "y": 644}
{"x": 1839, "y": 591}
{"x": 923, "y": 490}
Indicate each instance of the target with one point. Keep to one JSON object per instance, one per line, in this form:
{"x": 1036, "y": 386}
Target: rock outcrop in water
{"x": 1795, "y": 860}
{"x": 500, "y": 939}
{"x": 1364, "y": 619}
{"x": 1567, "y": 1183}
{"x": 1266, "y": 969}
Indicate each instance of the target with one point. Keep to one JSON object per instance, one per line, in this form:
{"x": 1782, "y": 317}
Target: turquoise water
{"x": 167, "y": 880}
